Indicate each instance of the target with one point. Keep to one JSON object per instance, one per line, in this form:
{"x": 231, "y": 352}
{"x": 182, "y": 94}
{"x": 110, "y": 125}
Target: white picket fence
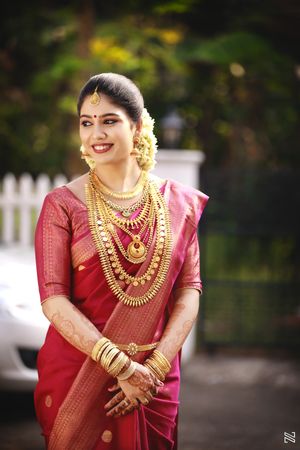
{"x": 20, "y": 203}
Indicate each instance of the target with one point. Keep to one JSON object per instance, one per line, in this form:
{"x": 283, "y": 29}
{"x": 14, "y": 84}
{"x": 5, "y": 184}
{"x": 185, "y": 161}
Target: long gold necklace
{"x": 112, "y": 268}
{"x": 136, "y": 251}
{"x": 121, "y": 195}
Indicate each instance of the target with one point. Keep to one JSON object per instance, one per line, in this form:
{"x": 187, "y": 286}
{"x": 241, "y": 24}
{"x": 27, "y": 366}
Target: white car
{"x": 22, "y": 324}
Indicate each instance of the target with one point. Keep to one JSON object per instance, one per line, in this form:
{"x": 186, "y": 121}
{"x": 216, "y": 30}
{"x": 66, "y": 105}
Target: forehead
{"x": 104, "y": 107}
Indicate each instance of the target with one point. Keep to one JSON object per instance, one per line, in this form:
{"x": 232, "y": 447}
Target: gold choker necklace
{"x": 121, "y": 195}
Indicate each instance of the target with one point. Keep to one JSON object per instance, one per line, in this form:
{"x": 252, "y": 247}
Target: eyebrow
{"x": 103, "y": 115}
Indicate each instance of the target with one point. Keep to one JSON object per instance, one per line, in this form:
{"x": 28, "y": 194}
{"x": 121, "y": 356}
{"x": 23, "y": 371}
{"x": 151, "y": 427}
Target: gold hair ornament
{"x": 95, "y": 98}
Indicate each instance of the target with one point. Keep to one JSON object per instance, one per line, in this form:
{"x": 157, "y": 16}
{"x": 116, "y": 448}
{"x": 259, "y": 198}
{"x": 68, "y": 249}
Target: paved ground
{"x": 239, "y": 403}
{"x": 227, "y": 402}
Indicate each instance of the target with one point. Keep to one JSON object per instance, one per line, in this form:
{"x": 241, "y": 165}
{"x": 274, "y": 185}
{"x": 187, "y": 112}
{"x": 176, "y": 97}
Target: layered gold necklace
{"x": 151, "y": 224}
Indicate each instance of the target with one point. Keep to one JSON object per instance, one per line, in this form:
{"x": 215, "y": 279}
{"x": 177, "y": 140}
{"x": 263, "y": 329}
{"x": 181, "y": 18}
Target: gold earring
{"x": 83, "y": 154}
{"x": 135, "y": 151}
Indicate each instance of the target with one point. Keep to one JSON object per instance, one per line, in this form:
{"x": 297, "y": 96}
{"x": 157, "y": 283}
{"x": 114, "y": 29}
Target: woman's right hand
{"x": 139, "y": 388}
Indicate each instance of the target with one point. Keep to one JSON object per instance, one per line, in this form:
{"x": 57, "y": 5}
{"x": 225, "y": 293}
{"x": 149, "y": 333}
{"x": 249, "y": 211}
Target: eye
{"x": 109, "y": 121}
{"x": 86, "y": 123}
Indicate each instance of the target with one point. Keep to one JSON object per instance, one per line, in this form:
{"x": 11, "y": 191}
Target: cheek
{"x": 83, "y": 133}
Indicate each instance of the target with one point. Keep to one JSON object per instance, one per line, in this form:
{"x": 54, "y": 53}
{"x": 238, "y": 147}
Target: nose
{"x": 98, "y": 132}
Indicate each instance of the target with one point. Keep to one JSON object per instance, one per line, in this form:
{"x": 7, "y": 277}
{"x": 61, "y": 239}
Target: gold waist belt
{"x": 133, "y": 348}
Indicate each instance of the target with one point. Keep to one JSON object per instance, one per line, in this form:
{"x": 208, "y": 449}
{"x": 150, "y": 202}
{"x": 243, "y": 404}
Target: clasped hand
{"x": 139, "y": 388}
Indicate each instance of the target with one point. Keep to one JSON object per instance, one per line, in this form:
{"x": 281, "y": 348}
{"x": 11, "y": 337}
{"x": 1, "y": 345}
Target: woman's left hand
{"x": 139, "y": 388}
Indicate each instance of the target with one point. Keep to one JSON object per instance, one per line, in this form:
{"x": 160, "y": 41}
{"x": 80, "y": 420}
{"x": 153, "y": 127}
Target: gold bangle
{"x": 117, "y": 365}
{"x": 104, "y": 353}
{"x": 98, "y": 347}
{"x": 156, "y": 370}
{"x": 158, "y": 356}
{"x": 128, "y": 372}
{"x": 159, "y": 364}
{"x": 105, "y": 362}
{"x": 102, "y": 350}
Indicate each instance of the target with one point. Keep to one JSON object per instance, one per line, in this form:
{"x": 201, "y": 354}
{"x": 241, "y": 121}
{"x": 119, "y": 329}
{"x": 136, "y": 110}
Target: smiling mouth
{"x": 101, "y": 148}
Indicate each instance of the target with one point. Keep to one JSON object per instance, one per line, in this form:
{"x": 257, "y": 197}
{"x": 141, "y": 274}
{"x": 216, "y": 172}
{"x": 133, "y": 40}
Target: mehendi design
{"x": 142, "y": 381}
{"x": 68, "y": 330}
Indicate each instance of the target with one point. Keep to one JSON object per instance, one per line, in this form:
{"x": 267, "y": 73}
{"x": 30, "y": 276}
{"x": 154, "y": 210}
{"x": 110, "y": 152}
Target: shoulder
{"x": 187, "y": 192}
{"x": 190, "y": 199}
{"x": 63, "y": 195}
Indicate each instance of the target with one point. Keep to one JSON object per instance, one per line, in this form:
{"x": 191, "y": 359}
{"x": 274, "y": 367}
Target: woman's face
{"x": 106, "y": 131}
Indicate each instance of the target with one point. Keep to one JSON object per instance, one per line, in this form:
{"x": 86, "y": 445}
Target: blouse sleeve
{"x": 52, "y": 248}
{"x": 189, "y": 275}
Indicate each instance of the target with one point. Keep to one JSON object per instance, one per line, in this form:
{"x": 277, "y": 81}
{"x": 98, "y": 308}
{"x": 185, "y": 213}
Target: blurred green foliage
{"x": 229, "y": 68}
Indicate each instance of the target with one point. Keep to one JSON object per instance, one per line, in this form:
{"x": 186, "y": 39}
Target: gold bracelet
{"x": 157, "y": 355}
{"x": 156, "y": 370}
{"x": 109, "y": 355}
{"x": 97, "y": 347}
{"x": 159, "y": 364}
{"x": 128, "y": 372}
{"x": 105, "y": 352}
{"x": 106, "y": 362}
{"x": 102, "y": 350}
{"x": 118, "y": 364}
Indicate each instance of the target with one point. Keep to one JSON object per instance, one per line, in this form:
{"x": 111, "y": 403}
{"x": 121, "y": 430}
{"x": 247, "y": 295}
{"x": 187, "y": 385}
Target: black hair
{"x": 121, "y": 90}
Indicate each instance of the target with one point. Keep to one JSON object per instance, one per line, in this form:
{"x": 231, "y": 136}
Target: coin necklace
{"x": 113, "y": 271}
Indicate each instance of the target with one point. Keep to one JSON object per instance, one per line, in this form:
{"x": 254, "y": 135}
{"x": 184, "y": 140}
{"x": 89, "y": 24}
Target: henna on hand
{"x": 117, "y": 410}
{"x": 141, "y": 380}
{"x": 119, "y": 397}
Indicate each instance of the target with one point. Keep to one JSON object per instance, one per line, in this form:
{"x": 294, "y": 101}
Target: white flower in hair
{"x": 147, "y": 145}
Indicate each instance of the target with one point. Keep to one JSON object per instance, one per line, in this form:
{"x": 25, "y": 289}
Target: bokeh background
{"x": 229, "y": 72}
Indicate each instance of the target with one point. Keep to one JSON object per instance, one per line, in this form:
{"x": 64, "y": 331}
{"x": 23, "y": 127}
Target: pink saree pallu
{"x": 72, "y": 388}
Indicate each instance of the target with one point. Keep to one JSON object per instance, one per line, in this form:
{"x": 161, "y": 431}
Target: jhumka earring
{"x": 95, "y": 98}
{"x": 83, "y": 154}
{"x": 135, "y": 151}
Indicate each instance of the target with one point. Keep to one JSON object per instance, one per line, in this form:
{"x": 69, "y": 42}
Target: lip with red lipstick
{"x": 101, "y": 148}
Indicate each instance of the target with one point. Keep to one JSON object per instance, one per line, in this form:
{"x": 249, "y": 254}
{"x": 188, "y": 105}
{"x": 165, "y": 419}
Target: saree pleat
{"x": 75, "y": 419}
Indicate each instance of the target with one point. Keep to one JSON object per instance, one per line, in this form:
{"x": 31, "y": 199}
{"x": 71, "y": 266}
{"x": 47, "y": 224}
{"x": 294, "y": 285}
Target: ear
{"x": 137, "y": 127}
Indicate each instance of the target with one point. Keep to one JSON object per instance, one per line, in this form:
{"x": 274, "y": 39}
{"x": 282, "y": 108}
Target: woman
{"x": 118, "y": 270}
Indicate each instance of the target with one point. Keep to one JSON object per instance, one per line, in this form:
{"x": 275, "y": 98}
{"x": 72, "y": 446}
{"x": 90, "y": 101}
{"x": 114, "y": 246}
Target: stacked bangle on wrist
{"x": 128, "y": 372}
{"x": 109, "y": 356}
{"x": 158, "y": 364}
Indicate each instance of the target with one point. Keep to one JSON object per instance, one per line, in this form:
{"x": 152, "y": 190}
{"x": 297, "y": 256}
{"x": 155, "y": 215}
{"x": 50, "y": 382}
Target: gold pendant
{"x": 136, "y": 248}
{"x": 125, "y": 213}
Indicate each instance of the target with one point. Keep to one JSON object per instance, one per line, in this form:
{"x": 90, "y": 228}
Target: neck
{"x": 119, "y": 178}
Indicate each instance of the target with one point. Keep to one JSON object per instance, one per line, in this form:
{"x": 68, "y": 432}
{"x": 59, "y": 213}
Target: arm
{"x": 180, "y": 323}
{"x": 80, "y": 332}
{"x": 71, "y": 323}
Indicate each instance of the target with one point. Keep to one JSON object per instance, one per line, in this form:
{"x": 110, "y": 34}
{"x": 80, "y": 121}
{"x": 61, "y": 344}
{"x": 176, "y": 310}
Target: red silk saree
{"x": 72, "y": 388}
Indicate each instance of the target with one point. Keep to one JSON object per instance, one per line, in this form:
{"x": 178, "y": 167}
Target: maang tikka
{"x": 95, "y": 98}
